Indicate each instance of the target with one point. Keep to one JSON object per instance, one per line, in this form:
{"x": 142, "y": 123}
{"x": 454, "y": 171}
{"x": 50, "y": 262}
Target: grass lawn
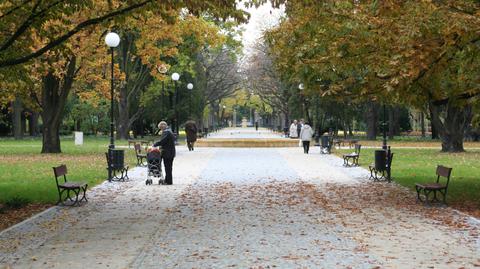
{"x": 27, "y": 174}
{"x": 412, "y": 165}
{"x": 408, "y": 141}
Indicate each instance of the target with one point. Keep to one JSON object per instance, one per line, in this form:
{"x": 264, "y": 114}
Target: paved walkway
{"x": 247, "y": 208}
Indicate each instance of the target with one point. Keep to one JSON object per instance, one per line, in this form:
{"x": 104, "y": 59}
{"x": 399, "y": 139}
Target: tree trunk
{"x": 51, "y": 137}
{"x": 123, "y": 118}
{"x": 287, "y": 119}
{"x": 17, "y": 118}
{"x": 78, "y": 125}
{"x": 451, "y": 128}
{"x": 24, "y": 123}
{"x": 434, "y": 128}
{"x": 307, "y": 112}
{"x": 393, "y": 122}
{"x": 33, "y": 123}
{"x": 54, "y": 95}
{"x": 422, "y": 123}
{"x": 372, "y": 120}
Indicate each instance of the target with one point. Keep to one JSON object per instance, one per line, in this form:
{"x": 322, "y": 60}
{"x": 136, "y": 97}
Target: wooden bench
{"x": 427, "y": 188}
{"x": 67, "y": 187}
{"x": 351, "y": 142}
{"x": 131, "y": 142}
{"x": 353, "y": 157}
{"x": 384, "y": 174}
{"x": 337, "y": 143}
{"x": 141, "y": 157}
{"x": 146, "y": 143}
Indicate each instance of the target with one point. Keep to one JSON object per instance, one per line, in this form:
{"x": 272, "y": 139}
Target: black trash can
{"x": 117, "y": 158}
{"x": 325, "y": 141}
{"x": 380, "y": 160}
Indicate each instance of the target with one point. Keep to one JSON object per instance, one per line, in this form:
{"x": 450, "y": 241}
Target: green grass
{"x": 418, "y": 165}
{"x": 27, "y": 174}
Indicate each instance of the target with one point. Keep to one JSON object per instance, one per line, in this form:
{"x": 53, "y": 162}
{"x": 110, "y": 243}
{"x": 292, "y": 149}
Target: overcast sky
{"x": 263, "y": 17}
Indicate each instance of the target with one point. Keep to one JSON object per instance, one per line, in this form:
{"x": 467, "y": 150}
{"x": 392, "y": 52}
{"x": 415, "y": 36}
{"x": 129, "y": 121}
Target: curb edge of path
{"x": 39, "y": 214}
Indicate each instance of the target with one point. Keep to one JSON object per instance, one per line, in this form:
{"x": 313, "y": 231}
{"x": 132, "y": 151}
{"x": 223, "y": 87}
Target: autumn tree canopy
{"x": 410, "y": 52}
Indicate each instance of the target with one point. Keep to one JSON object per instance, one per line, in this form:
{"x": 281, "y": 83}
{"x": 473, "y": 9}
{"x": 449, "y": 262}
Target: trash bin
{"x": 325, "y": 141}
{"x": 380, "y": 160}
{"x": 117, "y": 158}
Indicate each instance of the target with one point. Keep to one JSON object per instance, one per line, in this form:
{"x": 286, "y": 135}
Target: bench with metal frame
{"x": 67, "y": 187}
{"x": 141, "y": 157}
{"x": 351, "y": 142}
{"x": 118, "y": 173}
{"x": 428, "y": 188}
{"x": 337, "y": 143}
{"x": 353, "y": 157}
{"x": 131, "y": 142}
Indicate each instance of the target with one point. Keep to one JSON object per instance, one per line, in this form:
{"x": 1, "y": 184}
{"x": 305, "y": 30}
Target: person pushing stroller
{"x": 154, "y": 166}
{"x": 167, "y": 143}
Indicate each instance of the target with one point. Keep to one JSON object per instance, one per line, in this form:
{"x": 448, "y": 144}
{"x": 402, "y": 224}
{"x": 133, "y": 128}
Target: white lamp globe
{"x": 189, "y": 86}
{"x": 175, "y": 76}
{"x": 300, "y": 86}
{"x": 112, "y": 40}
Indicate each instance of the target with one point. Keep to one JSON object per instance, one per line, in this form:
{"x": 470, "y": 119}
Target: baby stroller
{"x": 154, "y": 166}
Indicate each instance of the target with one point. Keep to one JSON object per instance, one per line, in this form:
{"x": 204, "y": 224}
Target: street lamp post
{"x": 162, "y": 69}
{"x": 112, "y": 40}
{"x": 251, "y": 109}
{"x": 384, "y": 147}
{"x": 190, "y": 87}
{"x": 301, "y": 87}
{"x": 175, "y": 78}
{"x": 223, "y": 116}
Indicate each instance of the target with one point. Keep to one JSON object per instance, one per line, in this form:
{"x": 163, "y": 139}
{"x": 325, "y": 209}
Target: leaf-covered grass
{"x": 25, "y": 173}
{"x": 418, "y": 165}
{"x": 412, "y": 142}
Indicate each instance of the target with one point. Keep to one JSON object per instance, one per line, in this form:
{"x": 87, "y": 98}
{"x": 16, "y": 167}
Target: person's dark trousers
{"x": 306, "y": 146}
{"x": 168, "y": 170}
{"x": 190, "y": 146}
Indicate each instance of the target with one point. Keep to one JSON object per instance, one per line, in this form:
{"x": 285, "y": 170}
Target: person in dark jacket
{"x": 167, "y": 143}
{"x": 191, "y": 131}
{"x": 299, "y": 127}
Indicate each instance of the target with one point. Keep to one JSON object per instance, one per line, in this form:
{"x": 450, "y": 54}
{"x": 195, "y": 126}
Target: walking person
{"x": 167, "y": 143}
{"x": 191, "y": 131}
{"x": 256, "y": 125}
{"x": 306, "y": 135}
{"x": 293, "y": 130}
{"x": 299, "y": 127}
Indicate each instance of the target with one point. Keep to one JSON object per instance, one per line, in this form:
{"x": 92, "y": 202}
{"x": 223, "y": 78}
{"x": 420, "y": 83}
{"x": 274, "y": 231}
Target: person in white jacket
{"x": 293, "y": 130}
{"x": 306, "y": 135}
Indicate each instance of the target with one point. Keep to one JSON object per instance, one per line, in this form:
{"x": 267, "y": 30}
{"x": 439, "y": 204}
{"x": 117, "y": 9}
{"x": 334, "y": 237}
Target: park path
{"x": 247, "y": 208}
